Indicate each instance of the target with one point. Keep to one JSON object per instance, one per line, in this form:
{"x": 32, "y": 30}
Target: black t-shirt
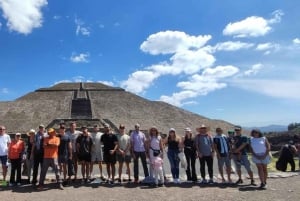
{"x": 189, "y": 144}
{"x": 109, "y": 142}
{"x": 63, "y": 148}
{"x": 85, "y": 144}
{"x": 173, "y": 144}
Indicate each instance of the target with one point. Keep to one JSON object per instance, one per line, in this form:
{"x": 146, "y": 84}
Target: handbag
{"x": 182, "y": 159}
{"x": 155, "y": 152}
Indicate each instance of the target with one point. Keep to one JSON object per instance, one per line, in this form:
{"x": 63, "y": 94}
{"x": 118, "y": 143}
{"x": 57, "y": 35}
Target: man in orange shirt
{"x": 15, "y": 154}
{"x": 51, "y": 144}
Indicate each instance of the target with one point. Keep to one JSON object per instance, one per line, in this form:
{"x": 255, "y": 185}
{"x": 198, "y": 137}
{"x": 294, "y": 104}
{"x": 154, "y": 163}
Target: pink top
{"x": 157, "y": 163}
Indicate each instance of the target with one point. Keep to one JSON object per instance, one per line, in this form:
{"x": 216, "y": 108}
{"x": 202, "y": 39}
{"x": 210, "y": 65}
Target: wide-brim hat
{"x": 31, "y": 131}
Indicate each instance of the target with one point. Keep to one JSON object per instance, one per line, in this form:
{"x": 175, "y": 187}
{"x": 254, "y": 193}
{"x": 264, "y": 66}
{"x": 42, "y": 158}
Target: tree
{"x": 293, "y": 126}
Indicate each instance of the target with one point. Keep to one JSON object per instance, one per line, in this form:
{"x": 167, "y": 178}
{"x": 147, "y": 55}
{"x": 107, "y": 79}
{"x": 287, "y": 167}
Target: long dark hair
{"x": 256, "y": 131}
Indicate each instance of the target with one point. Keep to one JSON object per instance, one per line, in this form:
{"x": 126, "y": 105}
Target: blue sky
{"x": 232, "y": 60}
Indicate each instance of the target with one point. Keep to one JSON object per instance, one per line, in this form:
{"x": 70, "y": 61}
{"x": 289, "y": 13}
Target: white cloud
{"x": 184, "y": 61}
{"x": 117, "y": 24}
{"x": 198, "y": 85}
{"x": 253, "y": 70}
{"x": 232, "y": 46}
{"x": 177, "y": 99}
{"x": 201, "y": 85}
{"x": 4, "y": 91}
{"x": 287, "y": 89}
{"x": 80, "y": 78}
{"x": 139, "y": 81}
{"x": 109, "y": 83}
{"x": 23, "y": 16}
{"x": 188, "y": 57}
{"x": 169, "y": 42}
{"x": 0, "y": 25}
{"x": 267, "y": 47}
{"x": 264, "y": 46}
{"x": 81, "y": 29}
{"x": 191, "y": 62}
{"x": 208, "y": 80}
{"x": 56, "y": 17}
{"x": 276, "y": 17}
{"x": 80, "y": 58}
{"x": 296, "y": 41}
{"x": 220, "y": 72}
{"x": 253, "y": 26}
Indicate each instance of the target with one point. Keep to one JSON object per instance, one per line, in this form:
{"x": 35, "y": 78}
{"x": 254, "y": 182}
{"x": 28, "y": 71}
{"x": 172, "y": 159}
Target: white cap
{"x": 187, "y": 129}
{"x": 172, "y": 129}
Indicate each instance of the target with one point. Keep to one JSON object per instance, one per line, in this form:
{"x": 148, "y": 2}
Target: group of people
{"x": 226, "y": 147}
{"x": 64, "y": 149}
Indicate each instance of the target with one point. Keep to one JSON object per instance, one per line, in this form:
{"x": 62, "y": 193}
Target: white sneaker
{"x": 178, "y": 181}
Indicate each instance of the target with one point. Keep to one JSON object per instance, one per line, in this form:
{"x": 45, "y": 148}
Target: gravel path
{"x": 278, "y": 189}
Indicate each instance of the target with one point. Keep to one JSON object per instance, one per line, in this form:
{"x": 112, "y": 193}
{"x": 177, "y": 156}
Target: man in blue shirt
{"x": 138, "y": 148}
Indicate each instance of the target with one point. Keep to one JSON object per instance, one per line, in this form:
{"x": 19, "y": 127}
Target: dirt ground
{"x": 278, "y": 189}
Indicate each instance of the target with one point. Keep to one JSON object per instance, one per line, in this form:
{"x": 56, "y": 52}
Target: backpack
{"x": 280, "y": 165}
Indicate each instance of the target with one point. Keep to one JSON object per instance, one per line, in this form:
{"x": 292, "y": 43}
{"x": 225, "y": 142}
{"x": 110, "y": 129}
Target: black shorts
{"x": 3, "y": 160}
{"x": 85, "y": 157}
{"x": 122, "y": 159}
{"x": 62, "y": 159}
{"x": 109, "y": 158}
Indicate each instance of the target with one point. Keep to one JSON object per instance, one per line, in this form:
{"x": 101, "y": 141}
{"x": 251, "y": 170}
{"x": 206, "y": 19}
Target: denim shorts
{"x": 264, "y": 161}
{"x": 3, "y": 160}
{"x": 244, "y": 161}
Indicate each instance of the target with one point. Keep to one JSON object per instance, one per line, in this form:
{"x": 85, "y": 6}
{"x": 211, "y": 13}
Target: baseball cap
{"x": 237, "y": 128}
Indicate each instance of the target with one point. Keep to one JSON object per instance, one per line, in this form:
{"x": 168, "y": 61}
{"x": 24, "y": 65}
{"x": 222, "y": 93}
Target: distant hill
{"x": 270, "y": 128}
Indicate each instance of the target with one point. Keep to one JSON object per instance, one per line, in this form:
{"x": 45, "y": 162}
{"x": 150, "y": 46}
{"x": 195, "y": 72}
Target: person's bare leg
{"x": 120, "y": 169}
{"x": 4, "y": 172}
{"x": 128, "y": 169}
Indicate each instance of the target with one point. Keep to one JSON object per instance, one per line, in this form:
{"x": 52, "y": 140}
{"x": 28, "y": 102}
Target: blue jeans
{"x": 174, "y": 162}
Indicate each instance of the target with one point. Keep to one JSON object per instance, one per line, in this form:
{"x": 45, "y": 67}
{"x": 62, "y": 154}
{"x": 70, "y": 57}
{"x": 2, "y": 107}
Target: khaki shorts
{"x": 97, "y": 157}
{"x": 224, "y": 160}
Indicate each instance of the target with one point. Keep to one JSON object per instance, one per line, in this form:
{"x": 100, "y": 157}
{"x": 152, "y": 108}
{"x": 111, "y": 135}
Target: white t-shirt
{"x": 258, "y": 145}
{"x": 124, "y": 141}
{"x": 4, "y": 141}
{"x": 73, "y": 137}
{"x": 97, "y": 146}
{"x": 155, "y": 142}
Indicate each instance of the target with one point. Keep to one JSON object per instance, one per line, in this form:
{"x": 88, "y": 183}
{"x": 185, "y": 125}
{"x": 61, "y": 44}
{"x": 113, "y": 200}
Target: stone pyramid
{"x": 96, "y": 103}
